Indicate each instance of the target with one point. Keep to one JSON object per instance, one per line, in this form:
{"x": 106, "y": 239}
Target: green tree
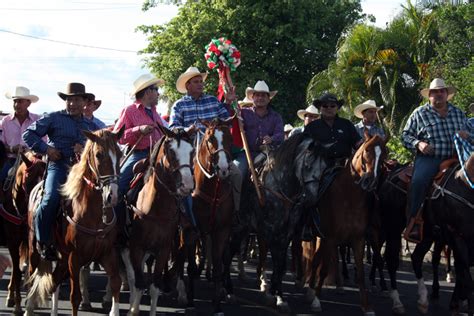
{"x": 284, "y": 42}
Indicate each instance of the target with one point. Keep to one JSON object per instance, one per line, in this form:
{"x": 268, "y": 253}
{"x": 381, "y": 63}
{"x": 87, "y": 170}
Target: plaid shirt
{"x": 372, "y": 129}
{"x": 425, "y": 124}
{"x": 187, "y": 111}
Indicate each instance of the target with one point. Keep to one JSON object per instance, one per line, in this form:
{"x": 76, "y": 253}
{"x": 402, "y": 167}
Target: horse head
{"x": 367, "y": 160}
{"x": 174, "y": 154}
{"x": 214, "y": 154}
{"x": 30, "y": 173}
{"x": 101, "y": 163}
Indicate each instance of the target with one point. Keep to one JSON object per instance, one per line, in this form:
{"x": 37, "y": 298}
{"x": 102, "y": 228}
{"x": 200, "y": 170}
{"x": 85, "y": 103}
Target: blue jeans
{"x": 6, "y": 166}
{"x": 126, "y": 175}
{"x": 47, "y": 210}
{"x": 424, "y": 170}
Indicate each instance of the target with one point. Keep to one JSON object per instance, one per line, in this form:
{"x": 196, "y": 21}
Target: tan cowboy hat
{"x": 74, "y": 89}
{"x": 287, "y": 128}
{"x": 144, "y": 81}
{"x": 369, "y": 104}
{"x": 245, "y": 102}
{"x": 22, "y": 93}
{"x": 309, "y": 110}
{"x": 191, "y": 72}
{"x": 260, "y": 86}
{"x": 438, "y": 84}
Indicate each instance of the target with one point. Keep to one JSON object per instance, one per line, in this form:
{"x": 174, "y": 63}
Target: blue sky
{"x": 45, "y": 67}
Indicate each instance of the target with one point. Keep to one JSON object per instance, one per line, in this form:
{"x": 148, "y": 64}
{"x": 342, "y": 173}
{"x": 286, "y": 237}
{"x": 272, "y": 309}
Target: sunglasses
{"x": 154, "y": 88}
{"x": 328, "y": 106}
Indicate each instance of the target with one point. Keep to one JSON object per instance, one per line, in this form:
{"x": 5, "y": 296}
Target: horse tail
{"x": 41, "y": 282}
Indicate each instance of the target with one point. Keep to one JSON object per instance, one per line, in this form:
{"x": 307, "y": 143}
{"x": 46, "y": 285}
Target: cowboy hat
{"x": 96, "y": 102}
{"x": 74, "y": 89}
{"x": 191, "y": 72}
{"x": 369, "y": 104}
{"x": 246, "y": 101}
{"x": 309, "y": 110}
{"x": 260, "y": 86}
{"x": 438, "y": 84}
{"x": 144, "y": 81}
{"x": 22, "y": 93}
{"x": 326, "y": 98}
{"x": 287, "y": 128}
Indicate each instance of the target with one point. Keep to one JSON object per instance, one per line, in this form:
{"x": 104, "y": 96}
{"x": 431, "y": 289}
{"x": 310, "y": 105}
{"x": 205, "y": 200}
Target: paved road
{"x": 251, "y": 302}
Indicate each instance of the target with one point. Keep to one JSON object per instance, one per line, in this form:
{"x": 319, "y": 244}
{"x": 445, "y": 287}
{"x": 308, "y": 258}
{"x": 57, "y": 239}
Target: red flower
{"x": 211, "y": 65}
{"x": 236, "y": 54}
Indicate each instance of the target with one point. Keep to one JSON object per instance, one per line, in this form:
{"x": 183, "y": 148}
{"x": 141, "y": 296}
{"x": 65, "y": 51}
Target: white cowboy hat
{"x": 191, "y": 72}
{"x": 309, "y": 110}
{"x": 260, "y": 86}
{"x": 369, "y": 104}
{"x": 144, "y": 81}
{"x": 437, "y": 84}
{"x": 22, "y": 93}
{"x": 246, "y": 101}
{"x": 287, "y": 128}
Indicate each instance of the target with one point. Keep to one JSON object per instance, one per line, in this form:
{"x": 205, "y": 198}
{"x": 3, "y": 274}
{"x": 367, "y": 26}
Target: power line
{"x": 69, "y": 43}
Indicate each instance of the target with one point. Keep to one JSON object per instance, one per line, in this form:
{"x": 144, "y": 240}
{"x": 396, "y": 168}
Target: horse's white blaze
{"x": 114, "y": 186}
{"x": 422, "y": 292}
{"x": 378, "y": 152}
{"x": 183, "y": 154}
{"x": 222, "y": 162}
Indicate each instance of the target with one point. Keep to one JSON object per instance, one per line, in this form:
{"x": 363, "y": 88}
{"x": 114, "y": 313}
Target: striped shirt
{"x": 187, "y": 111}
{"x": 134, "y": 116}
{"x": 63, "y": 131}
{"x": 12, "y": 130}
{"x": 425, "y": 124}
{"x": 372, "y": 129}
{"x": 97, "y": 122}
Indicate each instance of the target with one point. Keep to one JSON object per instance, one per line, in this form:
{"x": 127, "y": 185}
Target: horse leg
{"x": 435, "y": 260}
{"x": 161, "y": 262}
{"x": 326, "y": 253}
{"x": 14, "y": 287}
{"x": 109, "y": 262}
{"x": 137, "y": 264}
{"x": 417, "y": 261}
{"x": 278, "y": 248}
{"x": 358, "y": 246}
{"x": 449, "y": 272}
{"x": 392, "y": 257}
{"x": 344, "y": 260}
{"x": 262, "y": 259}
{"x": 74, "y": 268}
{"x": 296, "y": 261}
{"x": 207, "y": 249}
{"x": 220, "y": 240}
{"x": 83, "y": 283}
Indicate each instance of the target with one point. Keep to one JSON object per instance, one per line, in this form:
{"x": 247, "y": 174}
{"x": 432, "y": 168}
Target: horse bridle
{"x": 213, "y": 167}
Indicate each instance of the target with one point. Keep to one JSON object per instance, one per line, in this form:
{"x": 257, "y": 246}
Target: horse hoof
{"x": 309, "y": 295}
{"x": 423, "y": 308}
{"x": 87, "y": 307}
{"x": 230, "y": 299}
{"x": 282, "y": 305}
{"x": 10, "y": 302}
{"x": 449, "y": 277}
{"x": 106, "y": 305}
{"x": 399, "y": 310}
{"x": 316, "y": 305}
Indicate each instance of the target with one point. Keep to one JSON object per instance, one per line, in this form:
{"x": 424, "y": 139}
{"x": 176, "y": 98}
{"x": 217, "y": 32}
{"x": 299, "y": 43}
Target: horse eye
{"x": 99, "y": 155}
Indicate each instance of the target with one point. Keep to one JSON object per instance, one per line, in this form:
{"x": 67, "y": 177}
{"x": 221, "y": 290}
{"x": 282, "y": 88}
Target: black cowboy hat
{"x": 74, "y": 89}
{"x": 91, "y": 97}
{"x": 326, "y": 98}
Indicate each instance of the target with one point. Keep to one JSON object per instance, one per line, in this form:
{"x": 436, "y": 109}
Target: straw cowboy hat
{"x": 369, "y": 104}
{"x": 246, "y": 101}
{"x": 327, "y": 97}
{"x": 74, "y": 89}
{"x": 22, "y": 93}
{"x": 144, "y": 81}
{"x": 438, "y": 84}
{"x": 96, "y": 102}
{"x": 287, "y": 128}
{"x": 260, "y": 86}
{"x": 309, "y": 110}
{"x": 191, "y": 72}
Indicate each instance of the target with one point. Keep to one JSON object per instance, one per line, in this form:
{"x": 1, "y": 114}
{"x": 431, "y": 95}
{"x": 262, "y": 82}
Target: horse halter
{"x": 213, "y": 154}
{"x": 363, "y": 179}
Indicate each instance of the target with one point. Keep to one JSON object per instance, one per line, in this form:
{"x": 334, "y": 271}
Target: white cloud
{"x": 383, "y": 10}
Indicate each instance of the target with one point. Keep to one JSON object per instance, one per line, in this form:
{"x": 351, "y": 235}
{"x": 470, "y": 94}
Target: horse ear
{"x": 205, "y": 123}
{"x": 120, "y": 132}
{"x": 25, "y": 159}
{"x": 166, "y": 131}
{"x": 91, "y": 136}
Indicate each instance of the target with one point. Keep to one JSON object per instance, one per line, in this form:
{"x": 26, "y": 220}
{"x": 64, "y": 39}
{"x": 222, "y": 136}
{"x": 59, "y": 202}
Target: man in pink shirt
{"x": 15, "y": 124}
{"x": 140, "y": 120}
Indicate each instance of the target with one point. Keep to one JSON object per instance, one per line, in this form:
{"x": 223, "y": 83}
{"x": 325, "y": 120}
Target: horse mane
{"x": 285, "y": 153}
{"x": 74, "y": 186}
{"x": 153, "y": 157}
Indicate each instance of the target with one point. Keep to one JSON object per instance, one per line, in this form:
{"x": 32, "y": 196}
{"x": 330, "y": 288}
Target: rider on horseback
{"x": 195, "y": 106}
{"x": 430, "y": 130}
{"x": 65, "y": 141}
{"x": 367, "y": 112}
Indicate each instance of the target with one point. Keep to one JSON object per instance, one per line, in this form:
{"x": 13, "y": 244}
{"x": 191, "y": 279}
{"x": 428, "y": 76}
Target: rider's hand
{"x": 464, "y": 134}
{"x": 267, "y": 140}
{"x": 191, "y": 129}
{"x": 425, "y": 148}
{"x": 230, "y": 96}
{"x": 16, "y": 149}
{"x": 78, "y": 148}
{"x": 146, "y": 129}
{"x": 53, "y": 154}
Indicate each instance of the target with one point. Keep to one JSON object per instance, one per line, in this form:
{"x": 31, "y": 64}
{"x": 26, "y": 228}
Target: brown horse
{"x": 345, "y": 216}
{"x": 88, "y": 231}
{"x": 29, "y": 173}
{"x": 212, "y": 199}
{"x": 157, "y": 212}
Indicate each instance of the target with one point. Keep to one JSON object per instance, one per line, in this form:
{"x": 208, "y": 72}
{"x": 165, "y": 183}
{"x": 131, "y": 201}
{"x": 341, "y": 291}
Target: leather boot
{"x": 414, "y": 230}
